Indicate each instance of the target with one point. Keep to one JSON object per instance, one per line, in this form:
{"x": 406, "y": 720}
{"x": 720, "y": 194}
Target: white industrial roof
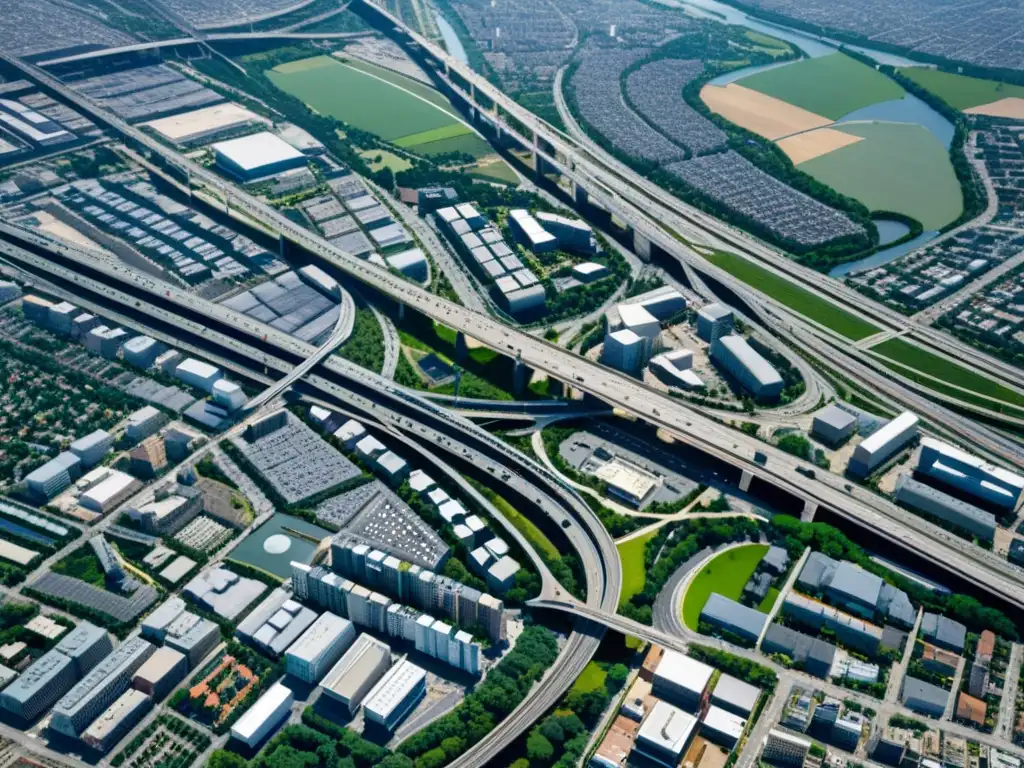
{"x": 634, "y": 315}
{"x": 626, "y": 337}
{"x": 197, "y": 368}
{"x": 318, "y": 638}
{"x": 257, "y": 150}
{"x": 265, "y": 707}
{"x": 730, "y": 690}
{"x": 724, "y": 722}
{"x": 751, "y": 358}
{"x": 893, "y": 429}
{"x": 684, "y": 672}
{"x": 668, "y": 727}
{"x": 392, "y": 689}
{"x": 954, "y": 453}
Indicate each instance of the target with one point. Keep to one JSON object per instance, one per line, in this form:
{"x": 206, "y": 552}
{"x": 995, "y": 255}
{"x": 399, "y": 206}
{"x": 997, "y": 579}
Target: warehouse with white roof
{"x": 747, "y": 365}
{"x": 885, "y": 442}
{"x": 319, "y": 647}
{"x": 395, "y": 695}
{"x": 355, "y": 673}
{"x": 268, "y": 711}
{"x": 257, "y": 156}
{"x": 681, "y": 680}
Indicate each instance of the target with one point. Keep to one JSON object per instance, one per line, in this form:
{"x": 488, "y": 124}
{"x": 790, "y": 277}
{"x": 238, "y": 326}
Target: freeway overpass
{"x": 794, "y": 476}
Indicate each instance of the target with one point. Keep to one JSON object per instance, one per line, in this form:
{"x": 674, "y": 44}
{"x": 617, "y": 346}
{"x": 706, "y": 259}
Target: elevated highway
{"x": 796, "y": 477}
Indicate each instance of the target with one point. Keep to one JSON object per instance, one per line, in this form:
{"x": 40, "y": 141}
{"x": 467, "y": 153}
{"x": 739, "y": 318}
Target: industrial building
{"x": 411, "y": 263}
{"x": 31, "y": 126}
{"x": 950, "y": 509}
{"x": 141, "y": 351}
{"x": 198, "y": 374}
{"x": 225, "y": 593}
{"x": 735, "y": 696}
{"x": 276, "y": 623}
{"x": 852, "y": 631}
{"x": 675, "y": 369}
{"x": 161, "y": 672}
{"x": 103, "y": 489}
{"x": 782, "y": 748}
{"x": 832, "y": 425}
{"x": 747, "y": 366}
{"x": 119, "y": 718}
{"x": 733, "y": 617}
{"x": 201, "y": 126}
{"x": 589, "y": 271}
{"x": 529, "y": 232}
{"x": 319, "y": 647}
{"x": 229, "y": 395}
{"x": 357, "y": 672}
{"x": 92, "y": 448}
{"x": 143, "y": 423}
{"x": 944, "y": 632}
{"x": 665, "y": 734}
{"x": 713, "y": 322}
{"x": 571, "y": 234}
{"x": 884, "y": 443}
{"x": 970, "y": 474}
{"x": 624, "y": 350}
{"x": 854, "y": 589}
{"x": 100, "y": 687}
{"x": 816, "y": 655}
{"x": 395, "y": 695}
{"x": 681, "y": 680}
{"x": 722, "y": 728}
{"x": 257, "y": 156}
{"x": 269, "y": 710}
{"x": 924, "y": 698}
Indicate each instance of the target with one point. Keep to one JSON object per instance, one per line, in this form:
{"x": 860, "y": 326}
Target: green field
{"x": 634, "y": 574}
{"x": 498, "y": 170}
{"x": 793, "y": 296}
{"x": 532, "y": 533}
{"x": 921, "y": 360}
{"x": 725, "y": 574}
{"x": 386, "y": 160}
{"x": 591, "y": 679}
{"x": 898, "y": 167}
{"x": 830, "y": 86}
{"x": 960, "y": 91}
{"x": 769, "y": 600}
{"x": 392, "y": 106}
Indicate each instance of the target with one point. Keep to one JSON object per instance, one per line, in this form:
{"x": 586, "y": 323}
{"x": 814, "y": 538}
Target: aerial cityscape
{"x": 513, "y": 383}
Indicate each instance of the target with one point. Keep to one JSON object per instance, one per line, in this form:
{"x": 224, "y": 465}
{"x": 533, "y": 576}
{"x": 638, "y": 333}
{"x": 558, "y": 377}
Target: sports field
{"x": 962, "y": 92}
{"x": 373, "y": 99}
{"x": 898, "y": 167}
{"x": 725, "y": 574}
{"x": 793, "y": 296}
{"x": 830, "y": 86}
{"x": 924, "y": 361}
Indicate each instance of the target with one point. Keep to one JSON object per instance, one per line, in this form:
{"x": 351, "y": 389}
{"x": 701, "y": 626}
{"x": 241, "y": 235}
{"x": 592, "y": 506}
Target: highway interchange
{"x": 334, "y": 382}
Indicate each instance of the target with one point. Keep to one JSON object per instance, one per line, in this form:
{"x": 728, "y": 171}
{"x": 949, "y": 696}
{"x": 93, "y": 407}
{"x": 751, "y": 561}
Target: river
{"x": 451, "y": 40}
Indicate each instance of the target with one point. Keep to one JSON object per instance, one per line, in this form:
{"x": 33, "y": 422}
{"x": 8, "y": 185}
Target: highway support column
{"x": 809, "y": 510}
{"x": 520, "y": 378}
{"x": 745, "y": 479}
{"x": 641, "y": 246}
{"x": 461, "y": 350}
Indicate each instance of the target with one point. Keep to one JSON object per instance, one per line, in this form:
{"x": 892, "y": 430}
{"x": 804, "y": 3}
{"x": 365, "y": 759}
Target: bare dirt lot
{"x": 807, "y": 146}
{"x": 764, "y": 115}
{"x": 1011, "y": 107}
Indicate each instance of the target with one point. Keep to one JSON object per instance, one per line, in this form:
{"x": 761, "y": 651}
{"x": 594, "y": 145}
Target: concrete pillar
{"x": 227, "y": 203}
{"x": 641, "y": 246}
{"x": 580, "y": 195}
{"x": 282, "y": 246}
{"x": 472, "y": 92}
{"x": 521, "y": 375}
{"x": 461, "y": 350}
{"x": 745, "y": 479}
{"x": 401, "y": 311}
{"x": 556, "y": 387}
{"x": 807, "y": 515}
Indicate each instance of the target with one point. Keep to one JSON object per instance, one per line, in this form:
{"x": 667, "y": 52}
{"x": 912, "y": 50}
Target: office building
{"x": 815, "y": 655}
{"x": 832, "y": 425}
{"x": 100, "y": 687}
{"x": 624, "y": 351}
{"x": 92, "y": 448}
{"x": 681, "y": 680}
{"x": 851, "y": 630}
{"x": 782, "y": 748}
{"x": 319, "y": 647}
{"x": 874, "y": 450}
{"x": 161, "y": 672}
{"x": 147, "y": 459}
{"x": 395, "y": 695}
{"x": 491, "y": 611}
{"x": 571, "y": 234}
{"x": 264, "y": 716}
{"x": 529, "y": 232}
{"x": 722, "y": 728}
{"x": 970, "y": 474}
{"x": 713, "y": 322}
{"x": 356, "y": 672}
{"x": 733, "y": 617}
{"x": 60, "y": 317}
{"x": 105, "y": 341}
{"x": 635, "y": 318}
{"x": 747, "y": 366}
{"x": 950, "y": 509}
{"x": 36, "y": 309}
{"x": 39, "y": 686}
{"x": 82, "y": 324}
{"x": 119, "y": 718}
{"x": 171, "y": 511}
{"x": 54, "y": 476}
{"x": 501, "y": 576}
{"x": 664, "y": 734}
{"x": 257, "y": 156}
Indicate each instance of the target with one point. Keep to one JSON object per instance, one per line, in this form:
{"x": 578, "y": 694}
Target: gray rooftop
{"x": 733, "y": 615}
{"x": 835, "y": 416}
{"x": 944, "y": 631}
{"x": 922, "y": 691}
{"x": 853, "y": 582}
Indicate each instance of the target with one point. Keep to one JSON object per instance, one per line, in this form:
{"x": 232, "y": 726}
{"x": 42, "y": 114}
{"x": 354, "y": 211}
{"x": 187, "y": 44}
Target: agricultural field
{"x": 726, "y": 574}
{"x": 970, "y": 94}
{"x": 919, "y": 180}
{"x": 831, "y": 86}
{"x": 395, "y": 108}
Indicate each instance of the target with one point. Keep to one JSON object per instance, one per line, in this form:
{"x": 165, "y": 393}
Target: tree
{"x": 538, "y": 748}
{"x": 617, "y": 676}
{"x": 435, "y": 758}
{"x": 552, "y": 731}
{"x": 223, "y": 759}
{"x": 396, "y": 761}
